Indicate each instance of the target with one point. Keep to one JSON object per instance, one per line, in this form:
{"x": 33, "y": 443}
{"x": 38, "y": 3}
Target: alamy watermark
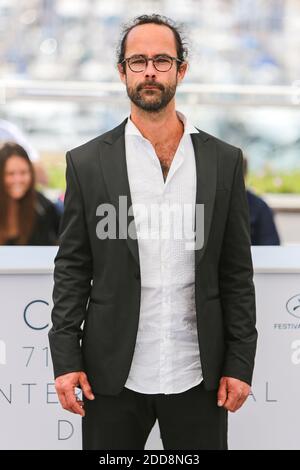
{"x": 163, "y": 221}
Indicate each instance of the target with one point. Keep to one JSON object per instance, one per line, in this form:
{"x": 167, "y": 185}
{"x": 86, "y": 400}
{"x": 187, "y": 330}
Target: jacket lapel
{"x": 114, "y": 168}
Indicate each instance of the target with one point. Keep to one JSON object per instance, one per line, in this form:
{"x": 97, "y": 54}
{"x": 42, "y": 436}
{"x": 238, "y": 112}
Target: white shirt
{"x": 166, "y": 357}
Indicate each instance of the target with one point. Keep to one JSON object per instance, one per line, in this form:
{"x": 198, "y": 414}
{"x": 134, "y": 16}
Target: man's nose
{"x": 150, "y": 69}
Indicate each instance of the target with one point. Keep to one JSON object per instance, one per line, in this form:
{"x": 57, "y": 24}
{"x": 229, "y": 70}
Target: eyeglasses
{"x": 139, "y": 63}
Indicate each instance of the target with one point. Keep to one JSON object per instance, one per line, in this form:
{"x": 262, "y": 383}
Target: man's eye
{"x": 162, "y": 60}
{"x": 137, "y": 61}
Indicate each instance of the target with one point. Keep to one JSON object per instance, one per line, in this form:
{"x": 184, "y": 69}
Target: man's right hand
{"x": 65, "y": 387}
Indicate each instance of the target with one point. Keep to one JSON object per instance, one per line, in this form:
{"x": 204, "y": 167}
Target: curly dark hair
{"x": 181, "y": 45}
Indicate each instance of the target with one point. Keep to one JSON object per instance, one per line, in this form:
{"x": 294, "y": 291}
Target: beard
{"x": 151, "y": 100}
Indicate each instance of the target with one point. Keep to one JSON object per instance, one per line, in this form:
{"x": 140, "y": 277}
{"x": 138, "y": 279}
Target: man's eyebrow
{"x": 162, "y": 53}
{"x": 155, "y": 55}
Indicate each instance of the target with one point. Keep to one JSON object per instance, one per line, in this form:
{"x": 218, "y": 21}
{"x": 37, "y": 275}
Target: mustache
{"x": 154, "y": 84}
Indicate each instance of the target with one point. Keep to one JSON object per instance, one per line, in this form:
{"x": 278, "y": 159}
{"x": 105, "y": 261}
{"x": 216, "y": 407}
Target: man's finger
{"x": 222, "y": 393}
{"x": 232, "y": 400}
{"x": 236, "y": 400}
{"x": 62, "y": 399}
{"x": 86, "y": 388}
{"x": 72, "y": 403}
{"x": 241, "y": 401}
{"x": 77, "y": 409}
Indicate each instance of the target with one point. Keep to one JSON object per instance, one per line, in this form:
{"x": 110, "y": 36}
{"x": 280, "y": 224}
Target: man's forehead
{"x": 151, "y": 38}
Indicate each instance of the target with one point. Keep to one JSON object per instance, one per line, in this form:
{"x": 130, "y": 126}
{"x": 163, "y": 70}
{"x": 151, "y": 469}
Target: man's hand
{"x": 232, "y": 393}
{"x": 65, "y": 388}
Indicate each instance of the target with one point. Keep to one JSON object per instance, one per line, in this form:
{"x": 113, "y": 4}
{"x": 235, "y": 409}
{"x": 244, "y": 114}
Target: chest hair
{"x": 165, "y": 153}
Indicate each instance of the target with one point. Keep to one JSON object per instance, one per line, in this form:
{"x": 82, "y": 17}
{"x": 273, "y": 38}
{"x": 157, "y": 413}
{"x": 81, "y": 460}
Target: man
{"x": 169, "y": 331}
{"x": 262, "y": 225}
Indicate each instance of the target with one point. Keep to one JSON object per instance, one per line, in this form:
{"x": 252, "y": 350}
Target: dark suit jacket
{"x": 99, "y": 280}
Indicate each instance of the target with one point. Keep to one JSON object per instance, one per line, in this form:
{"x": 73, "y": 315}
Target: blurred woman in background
{"x": 26, "y": 216}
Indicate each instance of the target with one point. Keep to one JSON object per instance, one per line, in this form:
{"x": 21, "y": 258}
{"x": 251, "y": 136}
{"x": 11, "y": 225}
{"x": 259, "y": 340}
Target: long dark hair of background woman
{"x": 26, "y": 216}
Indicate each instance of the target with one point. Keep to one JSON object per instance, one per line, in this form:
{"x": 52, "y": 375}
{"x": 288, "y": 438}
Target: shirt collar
{"x": 189, "y": 128}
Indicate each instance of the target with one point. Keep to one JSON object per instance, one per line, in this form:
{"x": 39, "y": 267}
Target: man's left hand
{"x": 232, "y": 393}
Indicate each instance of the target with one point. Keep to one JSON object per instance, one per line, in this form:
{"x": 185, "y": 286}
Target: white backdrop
{"x": 31, "y": 417}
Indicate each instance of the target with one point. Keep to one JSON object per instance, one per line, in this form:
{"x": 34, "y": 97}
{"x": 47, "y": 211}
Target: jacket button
{"x": 137, "y": 275}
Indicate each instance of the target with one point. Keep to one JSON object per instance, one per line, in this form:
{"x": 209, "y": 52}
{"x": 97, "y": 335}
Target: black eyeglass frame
{"x": 153, "y": 60}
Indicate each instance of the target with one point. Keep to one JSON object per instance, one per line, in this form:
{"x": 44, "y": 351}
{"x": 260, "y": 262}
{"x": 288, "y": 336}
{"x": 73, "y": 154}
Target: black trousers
{"x": 187, "y": 420}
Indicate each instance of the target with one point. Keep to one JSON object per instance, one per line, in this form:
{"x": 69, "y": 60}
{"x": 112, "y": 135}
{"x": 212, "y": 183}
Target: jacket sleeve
{"x": 236, "y": 284}
{"x": 72, "y": 280}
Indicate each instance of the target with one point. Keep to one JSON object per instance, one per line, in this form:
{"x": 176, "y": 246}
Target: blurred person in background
{"x": 9, "y": 132}
{"x": 27, "y": 217}
{"x": 263, "y": 228}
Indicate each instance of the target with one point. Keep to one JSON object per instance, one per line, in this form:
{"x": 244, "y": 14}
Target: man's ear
{"x": 122, "y": 73}
{"x": 182, "y": 71}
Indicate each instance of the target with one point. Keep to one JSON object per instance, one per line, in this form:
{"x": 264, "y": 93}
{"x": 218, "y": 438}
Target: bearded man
{"x": 153, "y": 326}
